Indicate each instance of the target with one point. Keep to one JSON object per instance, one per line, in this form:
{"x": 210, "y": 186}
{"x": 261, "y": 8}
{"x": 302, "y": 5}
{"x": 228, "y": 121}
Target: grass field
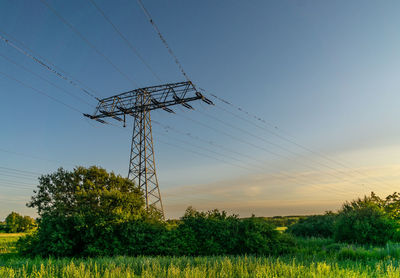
{"x": 315, "y": 258}
{"x": 7, "y": 242}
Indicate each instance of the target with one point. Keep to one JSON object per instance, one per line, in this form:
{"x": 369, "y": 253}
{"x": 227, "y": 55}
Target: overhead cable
{"x": 91, "y": 45}
{"x": 41, "y": 92}
{"x": 44, "y": 79}
{"x": 42, "y": 63}
{"x": 164, "y": 41}
{"x": 130, "y": 45}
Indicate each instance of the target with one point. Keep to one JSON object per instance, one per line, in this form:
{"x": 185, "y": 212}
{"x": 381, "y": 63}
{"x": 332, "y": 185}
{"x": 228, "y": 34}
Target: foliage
{"x": 3, "y": 227}
{"x": 89, "y": 212}
{"x": 16, "y": 223}
{"x": 216, "y": 233}
{"x": 79, "y": 208}
{"x": 365, "y": 221}
{"x": 314, "y": 226}
{"x": 390, "y": 205}
{"x": 370, "y": 220}
{"x": 89, "y": 193}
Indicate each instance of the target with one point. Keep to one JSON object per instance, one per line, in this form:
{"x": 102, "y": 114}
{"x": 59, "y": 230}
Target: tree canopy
{"x": 16, "y": 223}
{"x": 90, "y": 192}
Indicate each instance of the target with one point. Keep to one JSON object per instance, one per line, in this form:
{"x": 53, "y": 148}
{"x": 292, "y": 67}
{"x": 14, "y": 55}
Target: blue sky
{"x": 325, "y": 73}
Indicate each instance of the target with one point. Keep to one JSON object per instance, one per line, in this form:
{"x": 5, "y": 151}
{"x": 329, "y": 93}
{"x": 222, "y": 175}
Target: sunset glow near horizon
{"x": 323, "y": 75}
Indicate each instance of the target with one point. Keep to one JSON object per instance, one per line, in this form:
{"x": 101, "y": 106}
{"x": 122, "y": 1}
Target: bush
{"x": 197, "y": 234}
{"x": 314, "y": 226}
{"x": 89, "y": 212}
{"x": 365, "y": 222}
{"x": 215, "y": 233}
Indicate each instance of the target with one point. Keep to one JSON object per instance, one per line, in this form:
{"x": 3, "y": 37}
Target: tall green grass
{"x": 194, "y": 267}
{"x": 314, "y": 258}
{"x": 7, "y": 242}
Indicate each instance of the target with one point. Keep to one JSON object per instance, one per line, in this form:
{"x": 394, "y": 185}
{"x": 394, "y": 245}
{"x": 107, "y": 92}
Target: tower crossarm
{"x": 161, "y": 97}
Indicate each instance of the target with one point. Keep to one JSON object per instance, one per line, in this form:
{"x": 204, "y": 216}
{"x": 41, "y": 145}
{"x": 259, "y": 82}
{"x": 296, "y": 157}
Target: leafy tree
{"x": 365, "y": 221}
{"x": 392, "y": 205}
{"x": 77, "y": 207}
{"x": 16, "y": 223}
{"x": 12, "y": 222}
{"x": 88, "y": 192}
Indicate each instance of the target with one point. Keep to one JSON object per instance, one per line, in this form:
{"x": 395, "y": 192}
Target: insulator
{"x": 105, "y": 112}
{"x": 87, "y": 115}
{"x": 188, "y": 106}
{"x": 168, "y": 110}
{"x": 101, "y": 121}
{"x": 118, "y": 118}
{"x": 206, "y": 100}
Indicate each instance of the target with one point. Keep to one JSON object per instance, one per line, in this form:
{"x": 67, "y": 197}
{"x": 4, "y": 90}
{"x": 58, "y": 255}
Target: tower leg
{"x": 142, "y": 168}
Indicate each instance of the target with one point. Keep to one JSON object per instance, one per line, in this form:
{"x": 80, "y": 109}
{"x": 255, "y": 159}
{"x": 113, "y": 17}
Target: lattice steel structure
{"x": 138, "y": 104}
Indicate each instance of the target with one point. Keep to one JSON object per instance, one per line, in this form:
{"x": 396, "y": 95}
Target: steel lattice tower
{"x": 138, "y": 104}
{"x": 142, "y": 168}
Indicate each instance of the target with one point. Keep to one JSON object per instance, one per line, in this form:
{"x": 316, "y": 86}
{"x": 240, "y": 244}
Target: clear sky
{"x": 325, "y": 73}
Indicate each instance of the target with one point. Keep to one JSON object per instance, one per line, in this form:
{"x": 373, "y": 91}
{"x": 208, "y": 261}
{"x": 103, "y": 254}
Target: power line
{"x": 215, "y": 153}
{"x": 298, "y": 179}
{"x": 79, "y": 34}
{"x": 280, "y": 175}
{"x": 16, "y": 182}
{"x": 34, "y": 157}
{"x": 166, "y": 44}
{"x": 44, "y": 79}
{"x": 20, "y": 171}
{"x": 166, "y": 129}
{"x": 164, "y": 41}
{"x": 319, "y": 154}
{"x": 269, "y": 142}
{"x": 15, "y": 176}
{"x": 42, "y": 93}
{"x": 253, "y": 145}
{"x": 42, "y": 63}
{"x": 14, "y": 186}
{"x": 134, "y": 50}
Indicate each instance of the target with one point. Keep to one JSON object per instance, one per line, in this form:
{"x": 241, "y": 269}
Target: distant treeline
{"x": 284, "y": 221}
{"x": 277, "y": 221}
{"x": 16, "y": 223}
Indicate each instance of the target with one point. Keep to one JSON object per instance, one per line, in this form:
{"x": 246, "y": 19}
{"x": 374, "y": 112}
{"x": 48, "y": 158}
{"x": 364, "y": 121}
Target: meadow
{"x": 314, "y": 258}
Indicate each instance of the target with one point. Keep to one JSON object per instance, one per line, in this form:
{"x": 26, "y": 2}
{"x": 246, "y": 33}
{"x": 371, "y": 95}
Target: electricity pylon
{"x": 138, "y": 104}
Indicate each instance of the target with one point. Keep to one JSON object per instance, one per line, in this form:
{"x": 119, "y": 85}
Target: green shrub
{"x": 353, "y": 254}
{"x": 365, "y": 222}
{"x": 314, "y": 226}
{"x": 197, "y": 234}
{"x": 215, "y": 233}
{"x": 89, "y": 212}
